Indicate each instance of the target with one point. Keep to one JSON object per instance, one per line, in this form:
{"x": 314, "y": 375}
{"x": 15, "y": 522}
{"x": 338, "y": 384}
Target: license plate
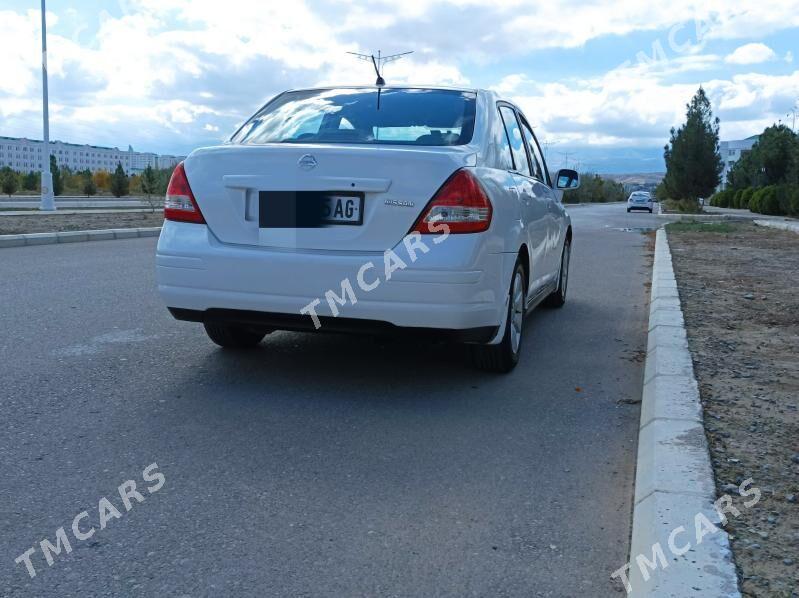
{"x": 342, "y": 209}
{"x": 309, "y": 209}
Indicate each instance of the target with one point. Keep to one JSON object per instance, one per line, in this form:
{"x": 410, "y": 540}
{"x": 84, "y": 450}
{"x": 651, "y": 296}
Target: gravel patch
{"x": 738, "y": 289}
{"x": 37, "y": 223}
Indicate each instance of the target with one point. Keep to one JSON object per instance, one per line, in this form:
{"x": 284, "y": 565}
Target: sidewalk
{"x": 73, "y": 212}
{"x": 787, "y": 224}
{"x": 75, "y": 203}
{"x": 747, "y": 214}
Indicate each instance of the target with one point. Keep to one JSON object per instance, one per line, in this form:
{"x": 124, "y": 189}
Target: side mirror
{"x": 567, "y": 179}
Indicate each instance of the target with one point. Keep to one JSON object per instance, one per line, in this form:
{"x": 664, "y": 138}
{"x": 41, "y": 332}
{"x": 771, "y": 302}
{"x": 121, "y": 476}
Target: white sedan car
{"x": 640, "y": 200}
{"x": 412, "y": 210}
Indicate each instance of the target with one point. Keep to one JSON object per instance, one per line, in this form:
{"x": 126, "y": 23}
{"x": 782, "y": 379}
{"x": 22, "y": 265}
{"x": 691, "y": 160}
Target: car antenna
{"x": 378, "y": 62}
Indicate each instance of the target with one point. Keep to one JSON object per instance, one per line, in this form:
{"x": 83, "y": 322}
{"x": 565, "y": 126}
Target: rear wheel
{"x": 504, "y": 356}
{"x": 558, "y": 296}
{"x": 233, "y": 336}
{"x": 628, "y": 210}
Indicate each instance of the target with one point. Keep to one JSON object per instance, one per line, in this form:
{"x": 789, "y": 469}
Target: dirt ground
{"x": 740, "y": 296}
{"x": 34, "y": 223}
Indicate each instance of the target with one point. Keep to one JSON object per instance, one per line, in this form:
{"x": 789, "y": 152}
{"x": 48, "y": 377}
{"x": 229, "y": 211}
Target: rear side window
{"x": 430, "y": 117}
{"x": 538, "y": 170}
{"x": 516, "y": 140}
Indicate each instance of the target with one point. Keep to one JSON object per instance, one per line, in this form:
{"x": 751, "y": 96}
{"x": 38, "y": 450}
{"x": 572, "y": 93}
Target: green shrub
{"x": 736, "y": 199}
{"x": 746, "y": 197}
{"x": 784, "y": 197}
{"x": 722, "y": 199}
{"x": 793, "y": 208}
{"x": 754, "y": 203}
{"x": 766, "y": 201}
{"x": 684, "y": 206}
{"x": 726, "y": 199}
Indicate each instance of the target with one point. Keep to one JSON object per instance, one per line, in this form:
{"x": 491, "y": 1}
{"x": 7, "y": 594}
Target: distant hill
{"x": 640, "y": 179}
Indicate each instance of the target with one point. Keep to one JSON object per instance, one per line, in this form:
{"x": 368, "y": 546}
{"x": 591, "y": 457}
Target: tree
{"x": 102, "y": 180}
{"x": 30, "y": 182}
{"x": 693, "y": 162}
{"x": 72, "y": 180}
{"x": 149, "y": 186}
{"x": 89, "y": 188}
{"x": 744, "y": 173}
{"x": 775, "y": 150}
{"x": 773, "y": 160}
{"x": 9, "y": 181}
{"x": 594, "y": 188}
{"x": 148, "y": 181}
{"x": 120, "y": 185}
{"x": 134, "y": 186}
{"x": 55, "y": 172}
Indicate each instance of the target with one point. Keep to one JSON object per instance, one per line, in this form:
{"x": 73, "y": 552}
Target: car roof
{"x": 398, "y": 86}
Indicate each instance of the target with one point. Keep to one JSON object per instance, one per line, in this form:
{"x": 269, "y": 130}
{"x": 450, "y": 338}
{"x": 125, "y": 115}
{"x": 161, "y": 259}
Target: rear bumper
{"x": 301, "y": 323}
{"x": 457, "y": 285}
{"x": 644, "y": 207}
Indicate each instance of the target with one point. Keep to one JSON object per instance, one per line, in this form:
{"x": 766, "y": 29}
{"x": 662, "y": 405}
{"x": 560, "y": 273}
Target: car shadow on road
{"x": 354, "y": 368}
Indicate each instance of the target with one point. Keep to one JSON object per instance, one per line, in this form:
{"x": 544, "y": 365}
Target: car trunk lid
{"x": 395, "y": 182}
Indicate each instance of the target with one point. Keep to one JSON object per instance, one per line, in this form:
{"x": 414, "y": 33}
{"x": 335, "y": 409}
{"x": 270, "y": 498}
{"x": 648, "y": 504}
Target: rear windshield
{"x": 390, "y": 116}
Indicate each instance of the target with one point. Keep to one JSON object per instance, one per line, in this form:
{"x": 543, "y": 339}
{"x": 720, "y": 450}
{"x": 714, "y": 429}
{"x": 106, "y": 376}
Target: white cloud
{"x": 629, "y": 106}
{"x": 788, "y": 57}
{"x": 753, "y": 53}
{"x": 187, "y": 71}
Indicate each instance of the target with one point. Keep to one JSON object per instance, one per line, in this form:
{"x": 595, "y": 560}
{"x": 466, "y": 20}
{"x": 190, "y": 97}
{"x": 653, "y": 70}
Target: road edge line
{"x": 674, "y": 478}
{"x": 77, "y": 236}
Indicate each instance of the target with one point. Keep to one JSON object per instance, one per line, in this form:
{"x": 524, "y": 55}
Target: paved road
{"x": 316, "y": 465}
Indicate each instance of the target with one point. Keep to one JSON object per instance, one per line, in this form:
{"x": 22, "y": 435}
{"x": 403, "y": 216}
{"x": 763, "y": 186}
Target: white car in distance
{"x": 395, "y": 210}
{"x": 640, "y": 200}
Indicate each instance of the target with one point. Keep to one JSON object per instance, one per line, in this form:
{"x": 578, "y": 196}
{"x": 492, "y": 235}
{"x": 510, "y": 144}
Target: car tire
{"x": 558, "y": 297}
{"x": 628, "y": 210}
{"x": 503, "y": 357}
{"x": 232, "y": 336}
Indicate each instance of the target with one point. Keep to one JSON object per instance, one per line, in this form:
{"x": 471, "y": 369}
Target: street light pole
{"x": 48, "y": 200}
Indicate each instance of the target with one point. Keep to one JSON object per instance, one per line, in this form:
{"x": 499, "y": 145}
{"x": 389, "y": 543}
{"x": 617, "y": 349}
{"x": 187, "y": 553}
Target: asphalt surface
{"x": 317, "y": 465}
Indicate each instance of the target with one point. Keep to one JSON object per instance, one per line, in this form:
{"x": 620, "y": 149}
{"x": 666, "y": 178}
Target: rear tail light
{"x": 180, "y": 204}
{"x": 460, "y": 203}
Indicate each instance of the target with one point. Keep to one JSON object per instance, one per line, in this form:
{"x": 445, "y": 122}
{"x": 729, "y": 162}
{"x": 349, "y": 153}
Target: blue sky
{"x": 602, "y": 81}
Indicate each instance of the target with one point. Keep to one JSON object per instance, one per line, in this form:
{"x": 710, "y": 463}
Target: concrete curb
{"x": 779, "y": 224}
{"x": 704, "y": 217}
{"x": 674, "y": 479}
{"x": 77, "y": 236}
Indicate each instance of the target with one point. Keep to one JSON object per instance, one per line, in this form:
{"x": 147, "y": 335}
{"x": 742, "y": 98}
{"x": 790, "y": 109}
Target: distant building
{"x": 25, "y": 155}
{"x": 731, "y": 152}
{"x": 169, "y": 161}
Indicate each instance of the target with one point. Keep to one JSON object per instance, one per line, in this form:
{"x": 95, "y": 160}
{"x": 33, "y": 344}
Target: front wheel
{"x": 232, "y": 336}
{"x": 558, "y": 297}
{"x": 503, "y": 357}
